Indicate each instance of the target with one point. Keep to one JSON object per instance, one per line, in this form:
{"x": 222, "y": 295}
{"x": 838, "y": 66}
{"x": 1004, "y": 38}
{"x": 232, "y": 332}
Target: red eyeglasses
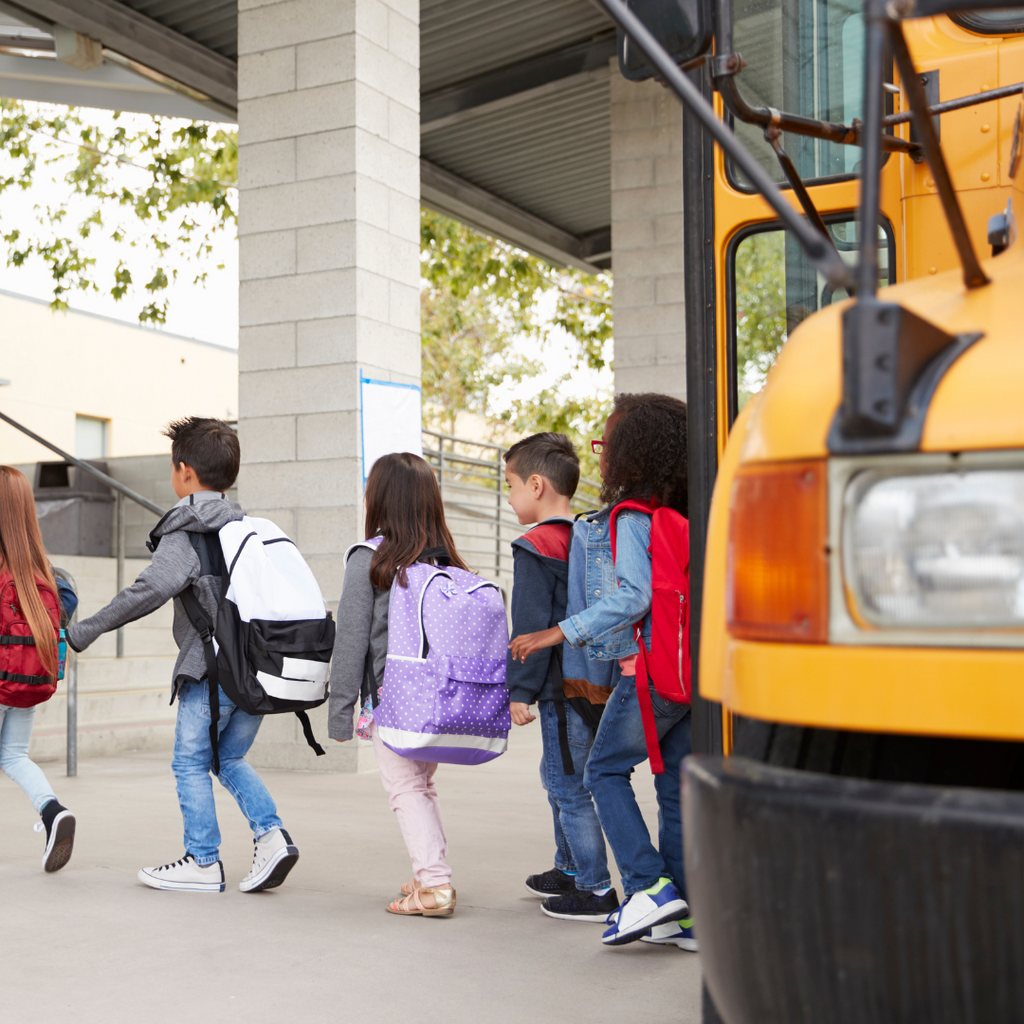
{"x": 596, "y": 446}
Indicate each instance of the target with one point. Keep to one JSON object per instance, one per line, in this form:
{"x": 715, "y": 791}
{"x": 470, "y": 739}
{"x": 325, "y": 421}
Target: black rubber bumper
{"x": 821, "y": 899}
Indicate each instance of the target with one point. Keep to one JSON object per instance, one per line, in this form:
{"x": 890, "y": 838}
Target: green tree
{"x": 480, "y": 297}
{"x": 158, "y": 175}
{"x": 760, "y": 307}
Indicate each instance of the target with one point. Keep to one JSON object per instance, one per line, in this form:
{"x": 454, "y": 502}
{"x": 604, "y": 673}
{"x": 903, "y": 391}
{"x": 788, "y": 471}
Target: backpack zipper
{"x": 682, "y": 601}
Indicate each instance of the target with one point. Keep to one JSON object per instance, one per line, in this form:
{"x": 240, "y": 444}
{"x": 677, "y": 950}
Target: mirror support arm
{"x": 974, "y": 276}
{"x": 822, "y": 254}
{"x": 843, "y": 134}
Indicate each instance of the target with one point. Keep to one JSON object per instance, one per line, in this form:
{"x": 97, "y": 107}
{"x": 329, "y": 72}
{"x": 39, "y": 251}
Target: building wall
{"x": 63, "y": 364}
{"x": 647, "y": 237}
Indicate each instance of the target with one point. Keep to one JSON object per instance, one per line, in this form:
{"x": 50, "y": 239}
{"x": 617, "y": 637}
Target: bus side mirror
{"x": 683, "y": 27}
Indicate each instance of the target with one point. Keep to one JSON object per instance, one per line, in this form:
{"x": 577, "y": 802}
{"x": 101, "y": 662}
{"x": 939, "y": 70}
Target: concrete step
{"x": 123, "y": 704}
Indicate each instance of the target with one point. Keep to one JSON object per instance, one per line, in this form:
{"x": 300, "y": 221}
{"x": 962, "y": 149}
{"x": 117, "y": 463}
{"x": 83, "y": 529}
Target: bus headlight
{"x": 937, "y": 550}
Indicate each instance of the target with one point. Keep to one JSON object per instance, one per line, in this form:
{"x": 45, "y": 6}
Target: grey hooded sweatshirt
{"x": 175, "y": 566}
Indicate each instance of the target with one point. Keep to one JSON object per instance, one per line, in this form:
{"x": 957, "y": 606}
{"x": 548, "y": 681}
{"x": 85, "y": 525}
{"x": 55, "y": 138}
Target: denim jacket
{"x": 606, "y": 598}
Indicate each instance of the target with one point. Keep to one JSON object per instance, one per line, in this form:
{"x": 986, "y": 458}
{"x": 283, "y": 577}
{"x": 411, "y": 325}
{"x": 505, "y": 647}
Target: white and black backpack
{"x": 271, "y": 645}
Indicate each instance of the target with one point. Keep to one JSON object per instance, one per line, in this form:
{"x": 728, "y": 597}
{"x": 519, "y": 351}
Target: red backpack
{"x": 23, "y": 680}
{"x": 667, "y": 663}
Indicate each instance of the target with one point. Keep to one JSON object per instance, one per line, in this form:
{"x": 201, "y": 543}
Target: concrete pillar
{"x": 329, "y": 267}
{"x": 647, "y": 237}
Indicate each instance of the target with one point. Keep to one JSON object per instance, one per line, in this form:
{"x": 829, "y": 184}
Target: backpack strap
{"x": 630, "y": 503}
{"x": 643, "y": 687}
{"x": 439, "y": 555}
{"x": 568, "y": 768}
{"x": 205, "y": 628}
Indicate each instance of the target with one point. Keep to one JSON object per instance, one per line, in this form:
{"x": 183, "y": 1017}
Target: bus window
{"x": 820, "y": 75}
{"x": 773, "y": 287}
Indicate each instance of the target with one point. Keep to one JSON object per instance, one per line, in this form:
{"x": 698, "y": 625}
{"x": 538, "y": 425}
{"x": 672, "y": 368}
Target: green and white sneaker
{"x": 674, "y": 933}
{"x": 642, "y": 911}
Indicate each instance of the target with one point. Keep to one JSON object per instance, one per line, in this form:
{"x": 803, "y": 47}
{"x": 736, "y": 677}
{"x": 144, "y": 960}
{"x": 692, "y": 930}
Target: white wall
{"x": 63, "y": 364}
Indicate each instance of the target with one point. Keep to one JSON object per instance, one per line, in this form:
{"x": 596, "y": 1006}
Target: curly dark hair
{"x": 647, "y": 451}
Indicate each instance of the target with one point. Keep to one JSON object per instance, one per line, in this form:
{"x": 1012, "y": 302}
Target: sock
{"x": 50, "y": 811}
{"x": 660, "y": 884}
{"x": 602, "y": 892}
{"x": 571, "y": 874}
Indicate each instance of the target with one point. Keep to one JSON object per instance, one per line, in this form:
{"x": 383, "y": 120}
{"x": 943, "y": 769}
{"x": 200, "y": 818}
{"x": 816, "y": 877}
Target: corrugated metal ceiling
{"x": 549, "y": 155}
{"x": 214, "y": 23}
{"x": 463, "y": 38}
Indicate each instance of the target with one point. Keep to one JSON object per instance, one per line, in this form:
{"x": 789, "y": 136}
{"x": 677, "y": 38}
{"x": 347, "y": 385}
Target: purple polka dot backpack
{"x": 444, "y": 697}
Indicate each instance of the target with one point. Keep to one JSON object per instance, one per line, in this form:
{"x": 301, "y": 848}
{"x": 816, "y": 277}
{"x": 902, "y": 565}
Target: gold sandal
{"x": 444, "y": 903}
{"x": 410, "y": 887}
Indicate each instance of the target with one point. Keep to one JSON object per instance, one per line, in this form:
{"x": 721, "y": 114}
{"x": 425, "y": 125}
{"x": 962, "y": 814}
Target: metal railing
{"x": 471, "y": 476}
{"x": 121, "y": 492}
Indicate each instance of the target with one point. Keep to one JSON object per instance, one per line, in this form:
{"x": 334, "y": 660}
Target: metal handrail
{"x": 92, "y": 470}
{"x": 461, "y": 475}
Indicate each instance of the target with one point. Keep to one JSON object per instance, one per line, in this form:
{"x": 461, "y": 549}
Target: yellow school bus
{"x": 855, "y": 346}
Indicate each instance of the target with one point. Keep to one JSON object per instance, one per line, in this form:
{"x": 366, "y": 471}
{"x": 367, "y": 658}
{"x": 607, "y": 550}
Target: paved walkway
{"x": 91, "y": 944}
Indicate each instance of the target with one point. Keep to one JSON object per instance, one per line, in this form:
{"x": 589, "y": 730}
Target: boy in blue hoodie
{"x": 542, "y": 472}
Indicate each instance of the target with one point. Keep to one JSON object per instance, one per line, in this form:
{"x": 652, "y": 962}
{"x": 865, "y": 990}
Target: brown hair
{"x": 24, "y": 557}
{"x": 647, "y": 451}
{"x": 209, "y": 446}
{"x": 549, "y": 455}
{"x": 403, "y": 505}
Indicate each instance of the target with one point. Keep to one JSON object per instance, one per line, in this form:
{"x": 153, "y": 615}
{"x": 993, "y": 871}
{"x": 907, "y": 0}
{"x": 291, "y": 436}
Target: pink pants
{"x": 412, "y": 796}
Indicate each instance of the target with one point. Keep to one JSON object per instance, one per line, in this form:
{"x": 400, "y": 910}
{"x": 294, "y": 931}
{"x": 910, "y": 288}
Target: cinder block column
{"x": 647, "y": 237}
{"x": 329, "y": 266}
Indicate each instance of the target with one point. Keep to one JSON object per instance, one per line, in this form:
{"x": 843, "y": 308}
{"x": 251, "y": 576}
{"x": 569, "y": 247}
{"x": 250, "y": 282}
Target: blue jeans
{"x": 193, "y": 762}
{"x": 15, "y": 733}
{"x": 618, "y": 747}
{"x": 579, "y": 844}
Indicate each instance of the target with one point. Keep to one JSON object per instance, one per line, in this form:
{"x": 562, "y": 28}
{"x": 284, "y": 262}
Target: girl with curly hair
{"x": 643, "y": 458}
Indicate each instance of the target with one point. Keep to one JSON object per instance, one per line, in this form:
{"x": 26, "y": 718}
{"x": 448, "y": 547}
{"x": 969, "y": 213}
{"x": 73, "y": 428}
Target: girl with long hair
{"x": 30, "y": 618}
{"x": 403, "y": 508}
{"x": 643, "y": 459}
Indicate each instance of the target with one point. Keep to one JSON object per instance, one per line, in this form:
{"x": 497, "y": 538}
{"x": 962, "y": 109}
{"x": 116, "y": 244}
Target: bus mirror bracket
{"x": 893, "y": 360}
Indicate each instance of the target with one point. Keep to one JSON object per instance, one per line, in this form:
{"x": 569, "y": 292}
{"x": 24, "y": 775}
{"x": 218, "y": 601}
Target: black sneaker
{"x": 59, "y": 824}
{"x": 581, "y": 906}
{"x": 550, "y": 883}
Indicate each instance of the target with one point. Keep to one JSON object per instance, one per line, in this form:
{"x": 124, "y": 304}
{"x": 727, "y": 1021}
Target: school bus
{"x": 855, "y": 349}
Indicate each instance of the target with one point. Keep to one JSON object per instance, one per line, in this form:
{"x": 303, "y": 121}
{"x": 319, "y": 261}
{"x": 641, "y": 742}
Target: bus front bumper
{"x": 822, "y": 899}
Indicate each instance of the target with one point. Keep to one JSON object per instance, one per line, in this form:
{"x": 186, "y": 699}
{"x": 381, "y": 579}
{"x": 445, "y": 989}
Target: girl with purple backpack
{"x": 404, "y": 509}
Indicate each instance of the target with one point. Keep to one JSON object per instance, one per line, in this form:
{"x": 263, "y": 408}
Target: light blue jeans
{"x": 193, "y": 762}
{"x": 15, "y": 733}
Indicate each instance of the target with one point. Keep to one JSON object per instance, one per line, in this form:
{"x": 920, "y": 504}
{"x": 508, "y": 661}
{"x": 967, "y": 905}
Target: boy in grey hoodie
{"x": 204, "y": 464}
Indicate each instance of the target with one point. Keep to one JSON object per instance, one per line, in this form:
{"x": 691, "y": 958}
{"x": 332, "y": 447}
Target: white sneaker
{"x": 674, "y": 933}
{"x": 274, "y": 856}
{"x": 185, "y": 874}
{"x": 641, "y": 911}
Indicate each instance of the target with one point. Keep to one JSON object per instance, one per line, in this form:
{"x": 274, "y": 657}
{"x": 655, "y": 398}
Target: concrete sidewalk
{"x": 92, "y": 944}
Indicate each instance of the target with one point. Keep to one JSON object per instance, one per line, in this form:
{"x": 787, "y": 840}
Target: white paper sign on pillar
{"x": 391, "y": 419}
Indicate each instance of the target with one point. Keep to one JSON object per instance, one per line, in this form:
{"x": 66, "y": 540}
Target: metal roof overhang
{"x": 514, "y": 113}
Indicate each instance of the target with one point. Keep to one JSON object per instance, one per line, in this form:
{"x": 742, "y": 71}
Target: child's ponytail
{"x": 22, "y": 555}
